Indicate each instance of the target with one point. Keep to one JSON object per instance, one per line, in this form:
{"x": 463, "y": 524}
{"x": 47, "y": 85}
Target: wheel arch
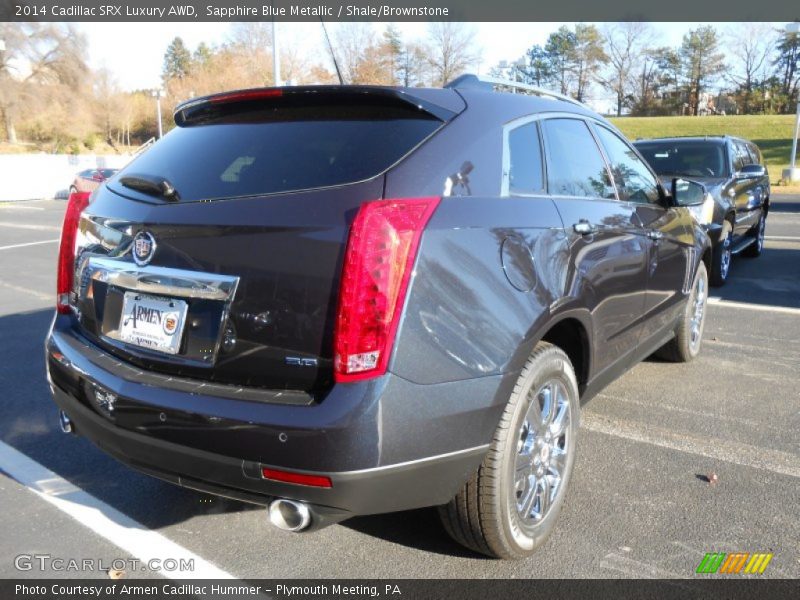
{"x": 571, "y": 331}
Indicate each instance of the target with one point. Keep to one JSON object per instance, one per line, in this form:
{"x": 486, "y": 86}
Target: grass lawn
{"x": 772, "y": 133}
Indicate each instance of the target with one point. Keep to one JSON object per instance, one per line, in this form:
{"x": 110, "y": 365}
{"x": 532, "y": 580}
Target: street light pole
{"x": 276, "y": 59}
{"x": 157, "y": 95}
{"x": 793, "y": 164}
{"x": 792, "y": 174}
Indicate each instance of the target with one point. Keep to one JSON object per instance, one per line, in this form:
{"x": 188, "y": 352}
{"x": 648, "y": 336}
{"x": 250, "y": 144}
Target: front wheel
{"x": 685, "y": 346}
{"x": 511, "y": 503}
{"x": 754, "y": 250}
{"x": 721, "y": 256}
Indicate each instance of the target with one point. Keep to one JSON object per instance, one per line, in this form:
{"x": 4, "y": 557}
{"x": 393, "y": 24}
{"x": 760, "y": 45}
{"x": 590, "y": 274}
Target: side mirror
{"x": 687, "y": 193}
{"x": 751, "y": 172}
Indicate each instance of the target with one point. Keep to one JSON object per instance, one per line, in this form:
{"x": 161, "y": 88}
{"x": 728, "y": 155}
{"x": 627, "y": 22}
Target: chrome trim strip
{"x": 163, "y": 281}
{"x": 396, "y": 466}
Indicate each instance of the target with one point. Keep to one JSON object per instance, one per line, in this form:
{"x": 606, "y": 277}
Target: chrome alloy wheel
{"x": 698, "y": 313}
{"x": 543, "y": 446}
{"x": 762, "y": 226}
{"x": 725, "y": 259}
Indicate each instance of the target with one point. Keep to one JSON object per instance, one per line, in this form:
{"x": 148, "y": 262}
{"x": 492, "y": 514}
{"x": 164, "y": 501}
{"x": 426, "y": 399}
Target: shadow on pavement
{"x": 29, "y": 423}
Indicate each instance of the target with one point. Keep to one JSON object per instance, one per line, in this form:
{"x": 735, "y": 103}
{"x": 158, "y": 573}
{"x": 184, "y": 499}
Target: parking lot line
{"x": 744, "y": 455}
{"x": 717, "y": 301}
{"x": 103, "y": 519}
{"x": 31, "y": 226}
{"x": 15, "y": 205}
{"x": 24, "y": 290}
{"x": 27, "y": 244}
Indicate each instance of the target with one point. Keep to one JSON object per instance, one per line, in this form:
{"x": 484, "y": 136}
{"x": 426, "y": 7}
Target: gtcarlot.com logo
{"x": 734, "y": 563}
{"x": 46, "y": 562}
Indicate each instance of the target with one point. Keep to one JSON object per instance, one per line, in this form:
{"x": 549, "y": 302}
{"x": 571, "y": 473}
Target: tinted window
{"x": 575, "y": 166}
{"x": 741, "y": 157}
{"x": 282, "y": 149}
{"x": 107, "y": 172}
{"x": 633, "y": 179}
{"x": 688, "y": 159}
{"x": 755, "y": 154}
{"x": 525, "y": 160}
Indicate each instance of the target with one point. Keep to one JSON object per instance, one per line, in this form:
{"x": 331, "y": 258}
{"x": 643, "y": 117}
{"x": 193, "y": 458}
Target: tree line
{"x": 51, "y": 99}
{"x": 755, "y": 69}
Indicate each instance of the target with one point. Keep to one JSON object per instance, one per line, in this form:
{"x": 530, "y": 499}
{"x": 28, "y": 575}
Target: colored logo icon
{"x": 734, "y": 563}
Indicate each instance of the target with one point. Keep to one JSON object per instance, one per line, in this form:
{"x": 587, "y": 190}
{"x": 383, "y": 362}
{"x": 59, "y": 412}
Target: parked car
{"x": 349, "y": 300}
{"x": 89, "y": 179}
{"x": 737, "y": 181}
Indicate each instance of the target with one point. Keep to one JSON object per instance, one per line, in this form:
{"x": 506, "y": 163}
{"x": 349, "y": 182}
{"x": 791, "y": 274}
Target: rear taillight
{"x": 377, "y": 267}
{"x": 66, "y": 250}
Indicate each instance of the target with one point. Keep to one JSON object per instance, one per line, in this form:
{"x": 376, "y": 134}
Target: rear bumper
{"x": 386, "y": 445}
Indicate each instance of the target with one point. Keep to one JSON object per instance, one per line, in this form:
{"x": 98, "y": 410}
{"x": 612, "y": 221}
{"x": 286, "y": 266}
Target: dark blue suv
{"x": 349, "y": 300}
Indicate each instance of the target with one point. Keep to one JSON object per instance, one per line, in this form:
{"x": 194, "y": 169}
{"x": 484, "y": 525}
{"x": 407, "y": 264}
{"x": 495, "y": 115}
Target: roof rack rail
{"x": 492, "y": 84}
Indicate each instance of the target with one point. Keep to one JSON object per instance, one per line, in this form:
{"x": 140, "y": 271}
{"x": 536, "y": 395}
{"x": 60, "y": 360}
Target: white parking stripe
{"x": 104, "y": 520}
{"x": 745, "y": 455}
{"x": 32, "y": 227}
{"x": 788, "y": 310}
{"x": 20, "y": 207}
{"x": 24, "y": 290}
{"x": 27, "y": 244}
{"x": 783, "y": 238}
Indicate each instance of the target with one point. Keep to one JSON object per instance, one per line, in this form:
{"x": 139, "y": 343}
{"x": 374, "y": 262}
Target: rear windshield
{"x": 689, "y": 159}
{"x": 272, "y": 150}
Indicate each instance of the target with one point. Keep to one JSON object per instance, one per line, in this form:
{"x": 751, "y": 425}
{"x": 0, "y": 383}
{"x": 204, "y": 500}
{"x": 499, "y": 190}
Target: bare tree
{"x": 751, "y": 46}
{"x": 451, "y": 50}
{"x": 625, "y": 48}
{"x": 362, "y": 58}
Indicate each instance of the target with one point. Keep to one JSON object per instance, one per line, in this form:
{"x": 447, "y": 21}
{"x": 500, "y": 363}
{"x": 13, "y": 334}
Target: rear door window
{"x": 633, "y": 179}
{"x": 525, "y": 174}
{"x": 280, "y": 149}
{"x": 741, "y": 157}
{"x": 575, "y": 166}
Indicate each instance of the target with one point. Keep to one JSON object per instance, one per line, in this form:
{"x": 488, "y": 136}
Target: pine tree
{"x": 177, "y": 60}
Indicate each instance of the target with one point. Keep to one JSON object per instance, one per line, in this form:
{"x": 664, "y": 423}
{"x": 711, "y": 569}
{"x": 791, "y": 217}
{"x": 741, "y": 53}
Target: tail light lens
{"x": 377, "y": 267}
{"x": 66, "y": 250}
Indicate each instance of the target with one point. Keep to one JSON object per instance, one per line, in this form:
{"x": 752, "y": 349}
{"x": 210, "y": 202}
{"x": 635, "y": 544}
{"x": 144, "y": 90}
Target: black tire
{"x": 484, "y": 515}
{"x": 685, "y": 346}
{"x": 755, "y": 249}
{"x": 721, "y": 256}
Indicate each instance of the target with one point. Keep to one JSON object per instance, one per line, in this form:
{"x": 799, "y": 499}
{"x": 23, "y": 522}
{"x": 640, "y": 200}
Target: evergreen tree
{"x": 177, "y": 60}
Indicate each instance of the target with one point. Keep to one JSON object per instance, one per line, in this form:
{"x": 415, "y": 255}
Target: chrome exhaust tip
{"x": 289, "y": 515}
{"x": 65, "y": 422}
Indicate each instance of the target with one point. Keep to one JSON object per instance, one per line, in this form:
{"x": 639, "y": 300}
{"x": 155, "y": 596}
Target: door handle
{"x": 654, "y": 234}
{"x": 584, "y": 227}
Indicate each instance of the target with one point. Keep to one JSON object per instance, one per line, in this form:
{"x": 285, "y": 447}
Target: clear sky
{"x": 134, "y": 51}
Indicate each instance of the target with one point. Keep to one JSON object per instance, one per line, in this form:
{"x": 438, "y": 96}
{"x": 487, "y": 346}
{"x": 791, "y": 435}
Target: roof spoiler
{"x": 433, "y": 102}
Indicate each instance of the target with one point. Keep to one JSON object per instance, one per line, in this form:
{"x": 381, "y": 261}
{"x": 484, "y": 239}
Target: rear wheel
{"x": 73, "y": 189}
{"x": 754, "y": 250}
{"x": 721, "y": 256}
{"x": 685, "y": 346}
{"x": 511, "y": 503}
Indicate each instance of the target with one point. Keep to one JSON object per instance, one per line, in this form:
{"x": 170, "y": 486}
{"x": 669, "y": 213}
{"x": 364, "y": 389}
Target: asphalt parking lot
{"x": 639, "y": 504}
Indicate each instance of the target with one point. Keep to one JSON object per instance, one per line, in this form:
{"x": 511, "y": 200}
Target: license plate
{"x": 152, "y": 322}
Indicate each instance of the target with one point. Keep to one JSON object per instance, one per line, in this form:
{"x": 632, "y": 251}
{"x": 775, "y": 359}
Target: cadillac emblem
{"x": 144, "y": 246}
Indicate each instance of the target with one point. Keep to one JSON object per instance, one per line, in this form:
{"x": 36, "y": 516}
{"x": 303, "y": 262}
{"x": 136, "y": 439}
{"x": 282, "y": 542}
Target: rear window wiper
{"x": 150, "y": 184}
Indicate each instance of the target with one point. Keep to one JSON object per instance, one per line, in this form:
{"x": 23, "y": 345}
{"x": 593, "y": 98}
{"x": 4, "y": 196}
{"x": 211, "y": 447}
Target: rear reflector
{"x": 299, "y": 478}
{"x": 378, "y": 262}
{"x": 66, "y": 251}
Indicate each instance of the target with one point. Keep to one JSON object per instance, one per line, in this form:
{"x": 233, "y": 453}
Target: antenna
{"x": 330, "y": 49}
